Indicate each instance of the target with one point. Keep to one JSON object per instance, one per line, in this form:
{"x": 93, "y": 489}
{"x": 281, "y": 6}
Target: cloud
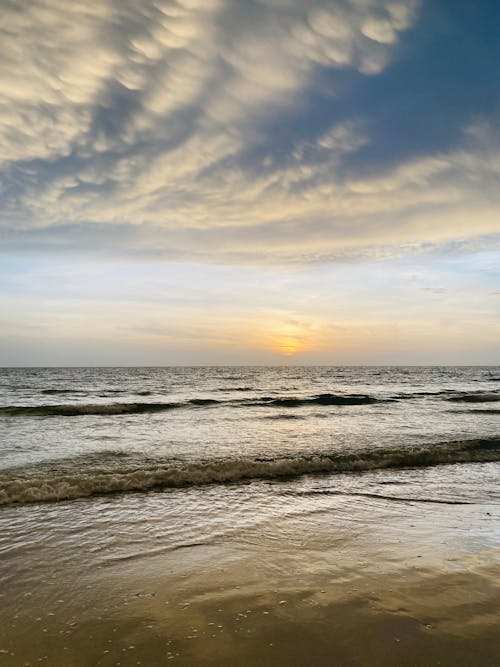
{"x": 64, "y": 66}
{"x": 147, "y": 127}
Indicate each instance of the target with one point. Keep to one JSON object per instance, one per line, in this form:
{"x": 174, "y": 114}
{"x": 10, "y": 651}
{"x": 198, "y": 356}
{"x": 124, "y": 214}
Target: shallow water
{"x": 76, "y": 432}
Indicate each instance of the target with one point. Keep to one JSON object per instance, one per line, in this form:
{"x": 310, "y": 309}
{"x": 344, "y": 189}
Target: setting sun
{"x": 290, "y": 346}
{"x": 288, "y": 336}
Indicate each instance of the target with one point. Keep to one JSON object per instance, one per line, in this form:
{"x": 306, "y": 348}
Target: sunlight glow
{"x": 290, "y": 346}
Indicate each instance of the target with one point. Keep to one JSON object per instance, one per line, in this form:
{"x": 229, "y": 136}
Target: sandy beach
{"x": 415, "y": 618}
{"x": 347, "y": 581}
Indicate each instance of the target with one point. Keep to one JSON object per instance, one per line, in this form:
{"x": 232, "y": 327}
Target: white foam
{"x": 72, "y": 479}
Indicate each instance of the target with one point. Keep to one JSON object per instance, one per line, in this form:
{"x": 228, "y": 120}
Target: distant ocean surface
{"x": 70, "y": 433}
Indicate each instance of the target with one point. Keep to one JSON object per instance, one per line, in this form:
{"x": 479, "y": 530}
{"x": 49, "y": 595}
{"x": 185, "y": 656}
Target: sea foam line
{"x": 43, "y": 483}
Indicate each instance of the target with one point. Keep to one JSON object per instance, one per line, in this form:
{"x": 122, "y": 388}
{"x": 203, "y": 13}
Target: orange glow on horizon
{"x": 292, "y": 337}
{"x": 289, "y": 346}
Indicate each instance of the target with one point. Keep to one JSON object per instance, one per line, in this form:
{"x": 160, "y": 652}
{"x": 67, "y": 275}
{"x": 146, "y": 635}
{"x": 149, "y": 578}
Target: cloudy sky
{"x": 249, "y": 181}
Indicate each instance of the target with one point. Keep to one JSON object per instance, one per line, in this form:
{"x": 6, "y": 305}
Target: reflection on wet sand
{"x": 335, "y": 580}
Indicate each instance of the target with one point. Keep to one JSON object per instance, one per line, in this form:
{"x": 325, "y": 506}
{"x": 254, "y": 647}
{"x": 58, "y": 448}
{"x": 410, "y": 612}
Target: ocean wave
{"x": 320, "y": 399}
{"x": 202, "y": 402}
{"x": 90, "y": 475}
{"x": 475, "y": 397}
{"x": 478, "y": 411}
{"x": 60, "y": 391}
{"x": 80, "y": 409}
{"x": 229, "y": 389}
{"x": 102, "y": 392}
{"x": 420, "y": 394}
{"x": 325, "y": 400}
{"x": 286, "y": 416}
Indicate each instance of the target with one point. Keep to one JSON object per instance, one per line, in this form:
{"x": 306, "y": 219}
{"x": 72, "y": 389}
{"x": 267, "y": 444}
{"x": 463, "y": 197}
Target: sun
{"x": 289, "y": 338}
{"x": 289, "y": 346}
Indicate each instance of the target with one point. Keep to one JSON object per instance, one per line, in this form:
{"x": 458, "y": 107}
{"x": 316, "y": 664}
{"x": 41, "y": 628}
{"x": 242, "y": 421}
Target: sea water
{"x": 75, "y": 432}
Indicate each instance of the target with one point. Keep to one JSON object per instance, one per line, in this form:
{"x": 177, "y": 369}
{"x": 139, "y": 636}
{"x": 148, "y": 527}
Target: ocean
{"x": 250, "y": 516}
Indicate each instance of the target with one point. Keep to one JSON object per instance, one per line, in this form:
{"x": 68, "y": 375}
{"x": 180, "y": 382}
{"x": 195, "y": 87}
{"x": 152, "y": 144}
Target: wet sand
{"x": 356, "y": 582}
{"x": 419, "y": 616}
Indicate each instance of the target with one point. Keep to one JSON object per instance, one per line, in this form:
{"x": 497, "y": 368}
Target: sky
{"x": 282, "y": 182}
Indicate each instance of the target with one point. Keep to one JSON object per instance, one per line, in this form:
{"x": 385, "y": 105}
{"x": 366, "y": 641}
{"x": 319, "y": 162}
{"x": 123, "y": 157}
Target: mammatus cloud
{"x": 146, "y": 127}
{"x": 90, "y": 77}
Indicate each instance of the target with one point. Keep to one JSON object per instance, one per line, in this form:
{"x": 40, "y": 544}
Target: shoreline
{"x": 332, "y": 580}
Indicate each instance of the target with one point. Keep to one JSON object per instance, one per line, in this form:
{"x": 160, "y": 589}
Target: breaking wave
{"x": 94, "y": 475}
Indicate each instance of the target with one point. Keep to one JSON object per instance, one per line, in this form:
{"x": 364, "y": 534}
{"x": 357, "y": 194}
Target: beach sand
{"x": 417, "y": 616}
{"x": 418, "y": 590}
